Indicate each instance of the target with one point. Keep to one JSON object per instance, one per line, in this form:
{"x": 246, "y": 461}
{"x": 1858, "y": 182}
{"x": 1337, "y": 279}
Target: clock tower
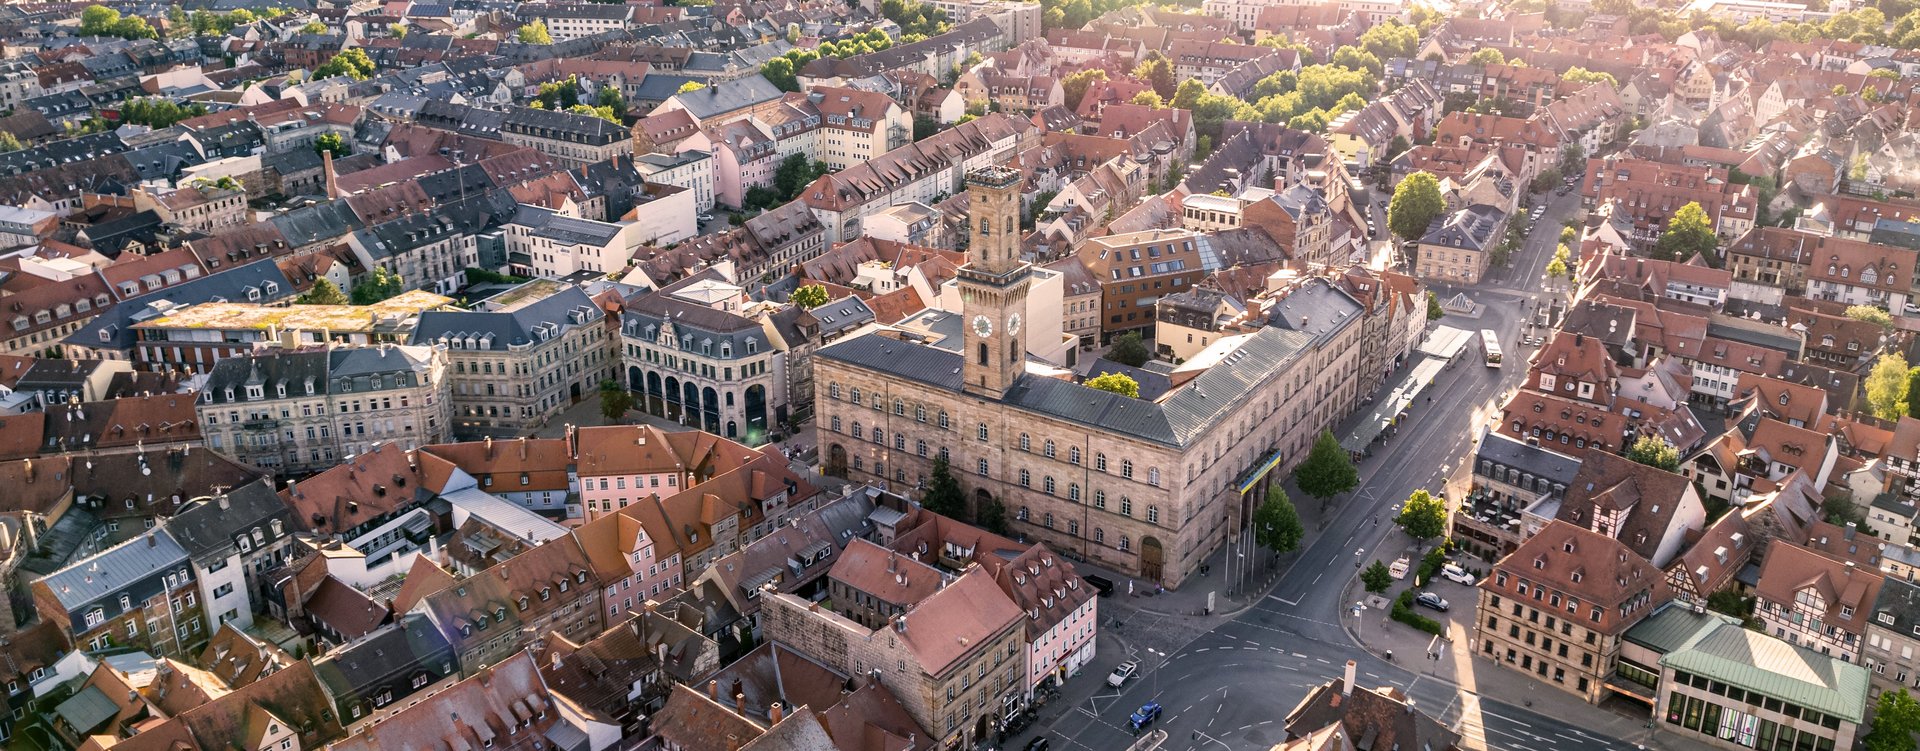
{"x": 993, "y": 284}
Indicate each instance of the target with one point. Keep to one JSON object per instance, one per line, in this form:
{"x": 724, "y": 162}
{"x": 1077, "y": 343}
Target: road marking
{"x": 1301, "y": 656}
{"x": 1276, "y": 598}
{"x": 1508, "y": 719}
{"x": 1254, "y": 643}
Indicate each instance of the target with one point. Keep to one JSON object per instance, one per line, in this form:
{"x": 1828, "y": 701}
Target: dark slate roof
{"x": 1538, "y": 461}
{"x": 60, "y": 152}
{"x": 1178, "y": 420}
{"x": 113, "y": 328}
{"x": 295, "y": 370}
{"x": 658, "y": 87}
{"x": 567, "y": 126}
{"x": 1472, "y": 228}
{"x": 646, "y": 313}
{"x": 129, "y": 567}
{"x": 209, "y": 530}
{"x": 166, "y": 160}
{"x": 317, "y": 223}
{"x": 554, "y": 314}
{"x": 350, "y": 670}
{"x": 1316, "y": 307}
{"x": 1899, "y": 601}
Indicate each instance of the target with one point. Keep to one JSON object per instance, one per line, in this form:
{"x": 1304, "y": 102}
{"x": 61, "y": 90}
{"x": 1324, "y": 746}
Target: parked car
{"x": 1145, "y": 716}
{"x": 1038, "y": 744}
{"x": 1454, "y": 572}
{"x": 1431, "y": 600}
{"x": 1122, "y": 674}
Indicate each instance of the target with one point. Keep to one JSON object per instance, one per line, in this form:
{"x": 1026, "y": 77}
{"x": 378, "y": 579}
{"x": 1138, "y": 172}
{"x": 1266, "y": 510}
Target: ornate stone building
{"x": 1150, "y": 486}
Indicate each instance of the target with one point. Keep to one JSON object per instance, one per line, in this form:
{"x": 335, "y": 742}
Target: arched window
{"x": 1073, "y": 455}
{"x": 983, "y": 353}
{"x": 856, "y": 396}
{"x": 1125, "y": 544}
{"x": 1099, "y": 536}
{"x": 1073, "y": 491}
{"x": 1153, "y": 514}
{"x": 856, "y": 429}
{"x": 1153, "y": 476}
{"x": 899, "y": 407}
{"x": 943, "y": 420}
{"x": 1026, "y": 444}
{"x": 1048, "y": 448}
{"x": 1049, "y": 520}
{"x": 899, "y": 442}
{"x": 1126, "y": 468}
{"x": 1126, "y": 506}
{"x": 879, "y": 436}
{"x": 920, "y": 447}
{"x": 1100, "y": 460}
{"x": 1026, "y": 479}
{"x": 920, "y": 412}
{"x": 833, "y": 390}
{"x": 1073, "y": 527}
{"x": 1024, "y": 514}
{"x": 1100, "y": 499}
{"x": 1047, "y": 484}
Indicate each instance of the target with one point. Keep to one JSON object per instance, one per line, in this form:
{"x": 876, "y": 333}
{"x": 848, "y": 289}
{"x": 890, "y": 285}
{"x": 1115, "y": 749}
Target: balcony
{"x": 264, "y": 423}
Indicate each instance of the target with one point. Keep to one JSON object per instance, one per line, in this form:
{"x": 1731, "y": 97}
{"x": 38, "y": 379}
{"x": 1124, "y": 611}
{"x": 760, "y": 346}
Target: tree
{"x": 1118, "y": 383}
{"x": 1276, "y": 524}
{"x": 611, "y": 98}
{"x": 1487, "y": 56}
{"x": 1188, "y": 94}
{"x": 9, "y": 142}
{"x": 1688, "y": 234}
{"x": 331, "y": 142}
{"x": 793, "y": 175}
{"x": 1416, "y": 203}
{"x": 1434, "y": 311}
{"x": 780, "y": 72}
{"x": 533, "y": 33}
{"x": 809, "y": 296}
{"x": 1896, "y": 718}
{"x": 1913, "y": 387}
{"x": 690, "y": 86}
{"x": 605, "y": 113}
{"x": 1887, "y": 387}
{"x": 1577, "y": 74}
{"x": 615, "y": 400}
{"x": 1328, "y": 469}
{"x": 1377, "y": 578}
{"x": 314, "y": 27}
{"x": 1157, "y": 70}
{"x": 1148, "y": 98}
{"x": 1129, "y": 350}
{"x": 991, "y": 516}
{"x": 397, "y": 30}
{"x": 323, "y": 292}
{"x": 1870, "y": 314}
{"x": 1424, "y": 517}
{"x": 1654, "y": 451}
{"x": 352, "y": 63}
{"x": 380, "y": 285}
{"x": 943, "y": 495}
{"x": 1357, "y": 59}
{"x": 1076, "y": 85}
{"x": 1391, "y": 39}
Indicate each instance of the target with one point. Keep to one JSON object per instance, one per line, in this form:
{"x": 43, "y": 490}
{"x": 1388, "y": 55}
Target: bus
{"x": 1492, "y": 344}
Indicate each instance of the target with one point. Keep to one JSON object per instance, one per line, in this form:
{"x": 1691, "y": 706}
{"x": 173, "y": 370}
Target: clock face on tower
{"x": 982, "y": 326}
{"x": 1013, "y": 324}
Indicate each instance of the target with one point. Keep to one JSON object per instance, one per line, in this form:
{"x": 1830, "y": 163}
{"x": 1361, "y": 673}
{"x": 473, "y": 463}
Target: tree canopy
{"x": 943, "y": 495}
{"x": 1896, "y": 718}
{"x": 1424, "y": 517}
{"x": 1689, "y": 233}
{"x": 1377, "y": 578}
{"x": 1416, "y": 203}
{"x": 1887, "y": 387}
{"x": 615, "y": 400}
{"x": 1487, "y": 56}
{"x": 1157, "y": 70}
{"x": 1118, "y": 383}
{"x": 1128, "y": 349}
{"x": 157, "y": 113}
{"x": 331, "y": 143}
{"x": 352, "y": 63}
{"x": 100, "y": 20}
{"x": 533, "y": 33}
{"x": 809, "y": 296}
{"x": 380, "y": 285}
{"x": 1870, "y": 314}
{"x": 1654, "y": 451}
{"x": 1328, "y": 469}
{"x": 323, "y": 292}
{"x": 1276, "y": 523}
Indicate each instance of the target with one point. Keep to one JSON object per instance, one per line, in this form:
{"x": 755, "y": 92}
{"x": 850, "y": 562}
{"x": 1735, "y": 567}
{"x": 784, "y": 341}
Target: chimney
{"x": 333, "y": 180}
{"x": 739, "y": 702}
{"x": 713, "y": 690}
{"x": 773, "y": 714}
{"x": 1852, "y": 528}
{"x": 523, "y": 448}
{"x": 489, "y": 446}
{"x": 1346, "y": 689}
{"x": 151, "y": 542}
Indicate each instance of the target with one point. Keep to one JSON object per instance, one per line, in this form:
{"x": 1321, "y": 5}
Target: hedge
{"x": 1403, "y": 612}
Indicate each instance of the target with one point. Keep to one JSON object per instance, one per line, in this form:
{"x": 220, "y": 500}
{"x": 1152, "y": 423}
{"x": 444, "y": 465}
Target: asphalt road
{"x": 1232, "y": 686}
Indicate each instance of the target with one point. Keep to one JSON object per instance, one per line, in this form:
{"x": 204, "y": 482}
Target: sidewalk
{"x": 1450, "y": 659}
